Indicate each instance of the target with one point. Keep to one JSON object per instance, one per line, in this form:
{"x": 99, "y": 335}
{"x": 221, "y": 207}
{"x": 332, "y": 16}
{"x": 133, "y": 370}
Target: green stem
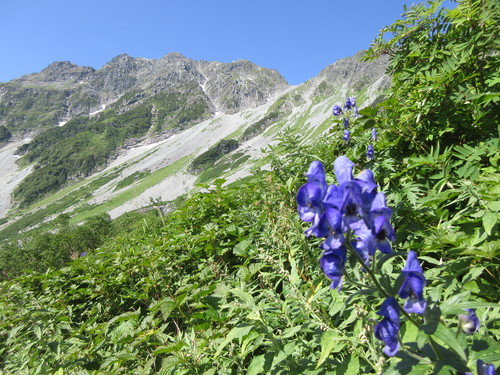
{"x": 370, "y": 272}
{"x": 416, "y": 356}
{"x": 367, "y": 269}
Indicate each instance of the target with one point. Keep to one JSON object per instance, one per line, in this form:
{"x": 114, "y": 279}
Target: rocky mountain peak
{"x": 58, "y": 73}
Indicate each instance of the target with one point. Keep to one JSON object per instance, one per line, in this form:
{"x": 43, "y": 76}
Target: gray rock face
{"x": 70, "y": 90}
{"x": 352, "y": 72}
{"x": 57, "y": 74}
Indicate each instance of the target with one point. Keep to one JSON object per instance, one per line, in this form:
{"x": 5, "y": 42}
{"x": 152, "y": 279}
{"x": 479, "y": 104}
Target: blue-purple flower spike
{"x": 387, "y": 330}
{"x": 413, "y": 285}
{"x": 348, "y": 104}
{"x": 370, "y": 153}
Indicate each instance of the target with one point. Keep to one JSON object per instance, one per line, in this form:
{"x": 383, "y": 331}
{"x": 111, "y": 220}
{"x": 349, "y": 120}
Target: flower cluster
{"x": 350, "y": 105}
{"x": 412, "y": 289}
{"x": 354, "y": 216}
{"x": 351, "y": 211}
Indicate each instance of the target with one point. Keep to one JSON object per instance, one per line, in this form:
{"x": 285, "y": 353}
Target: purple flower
{"x": 330, "y": 226}
{"x": 469, "y": 323}
{"x": 310, "y": 196}
{"x": 349, "y": 104}
{"x": 387, "y": 330}
{"x": 309, "y": 199}
{"x": 343, "y": 169}
{"x": 352, "y": 203}
{"x": 347, "y": 136}
{"x": 374, "y": 134}
{"x": 370, "y": 152}
{"x": 484, "y": 369}
{"x": 413, "y": 285}
{"x": 337, "y": 110}
{"x": 368, "y": 188}
{"x": 346, "y": 123}
{"x": 383, "y": 233}
{"x": 316, "y": 174}
{"x": 332, "y": 264}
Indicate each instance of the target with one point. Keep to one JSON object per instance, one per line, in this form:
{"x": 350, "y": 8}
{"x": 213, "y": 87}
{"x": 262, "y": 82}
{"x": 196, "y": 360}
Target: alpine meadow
{"x": 176, "y": 216}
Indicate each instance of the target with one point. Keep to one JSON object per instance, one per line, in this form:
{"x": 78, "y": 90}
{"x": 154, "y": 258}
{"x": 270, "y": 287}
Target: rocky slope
{"x": 184, "y": 108}
{"x": 63, "y": 90}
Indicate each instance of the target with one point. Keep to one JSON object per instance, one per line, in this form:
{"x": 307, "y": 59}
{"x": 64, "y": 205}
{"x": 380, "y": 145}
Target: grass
{"x": 134, "y": 191}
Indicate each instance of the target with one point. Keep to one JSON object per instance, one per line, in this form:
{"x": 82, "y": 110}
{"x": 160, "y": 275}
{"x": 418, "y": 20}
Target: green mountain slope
{"x": 227, "y": 282}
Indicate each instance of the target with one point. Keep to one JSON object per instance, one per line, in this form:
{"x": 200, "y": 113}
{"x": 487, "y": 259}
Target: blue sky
{"x": 298, "y": 38}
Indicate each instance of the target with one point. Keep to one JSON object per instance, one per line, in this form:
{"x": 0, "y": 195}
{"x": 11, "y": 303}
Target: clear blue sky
{"x": 296, "y": 37}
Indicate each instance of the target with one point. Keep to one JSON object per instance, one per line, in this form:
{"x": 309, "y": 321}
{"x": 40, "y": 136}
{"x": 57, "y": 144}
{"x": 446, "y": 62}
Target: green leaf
{"x": 489, "y": 221}
{"x": 449, "y": 338}
{"x": 235, "y": 333}
{"x": 240, "y": 249}
{"x": 350, "y": 366}
{"x": 329, "y": 342}
{"x": 260, "y": 364}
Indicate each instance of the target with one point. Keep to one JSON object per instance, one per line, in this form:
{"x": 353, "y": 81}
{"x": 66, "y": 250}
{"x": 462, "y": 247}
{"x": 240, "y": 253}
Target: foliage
{"x": 214, "y": 153}
{"x": 44, "y": 250}
{"x": 5, "y": 135}
{"x": 229, "y": 284}
{"x": 445, "y": 74}
{"x": 85, "y": 144}
{"x": 131, "y": 179}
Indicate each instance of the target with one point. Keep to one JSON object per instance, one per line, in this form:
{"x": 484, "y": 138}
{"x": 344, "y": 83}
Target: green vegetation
{"x": 229, "y": 163}
{"x": 227, "y": 282}
{"x": 214, "y": 153}
{"x": 5, "y": 134}
{"x": 131, "y": 179}
{"x": 45, "y": 249}
{"x": 85, "y": 144}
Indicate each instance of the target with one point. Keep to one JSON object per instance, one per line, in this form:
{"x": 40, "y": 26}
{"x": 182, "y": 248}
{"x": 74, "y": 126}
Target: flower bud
{"x": 469, "y": 323}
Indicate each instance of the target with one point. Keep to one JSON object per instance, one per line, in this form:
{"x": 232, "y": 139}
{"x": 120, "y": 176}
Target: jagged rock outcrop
{"x": 64, "y": 90}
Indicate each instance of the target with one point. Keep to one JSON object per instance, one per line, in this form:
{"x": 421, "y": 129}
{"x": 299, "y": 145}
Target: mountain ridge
{"x": 180, "y": 107}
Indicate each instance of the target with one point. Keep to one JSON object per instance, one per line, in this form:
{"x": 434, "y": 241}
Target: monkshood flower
{"x": 469, "y": 323}
{"x": 347, "y": 136}
{"x": 332, "y": 263}
{"x": 484, "y": 369}
{"x": 370, "y": 152}
{"x": 346, "y": 123}
{"x": 337, "y": 110}
{"x": 387, "y": 330}
{"x": 374, "y": 134}
{"x": 349, "y": 103}
{"x": 353, "y": 208}
{"x": 413, "y": 285}
{"x": 310, "y": 196}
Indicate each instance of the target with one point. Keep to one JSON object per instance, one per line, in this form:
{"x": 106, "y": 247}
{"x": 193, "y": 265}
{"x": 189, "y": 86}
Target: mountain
{"x": 86, "y": 141}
